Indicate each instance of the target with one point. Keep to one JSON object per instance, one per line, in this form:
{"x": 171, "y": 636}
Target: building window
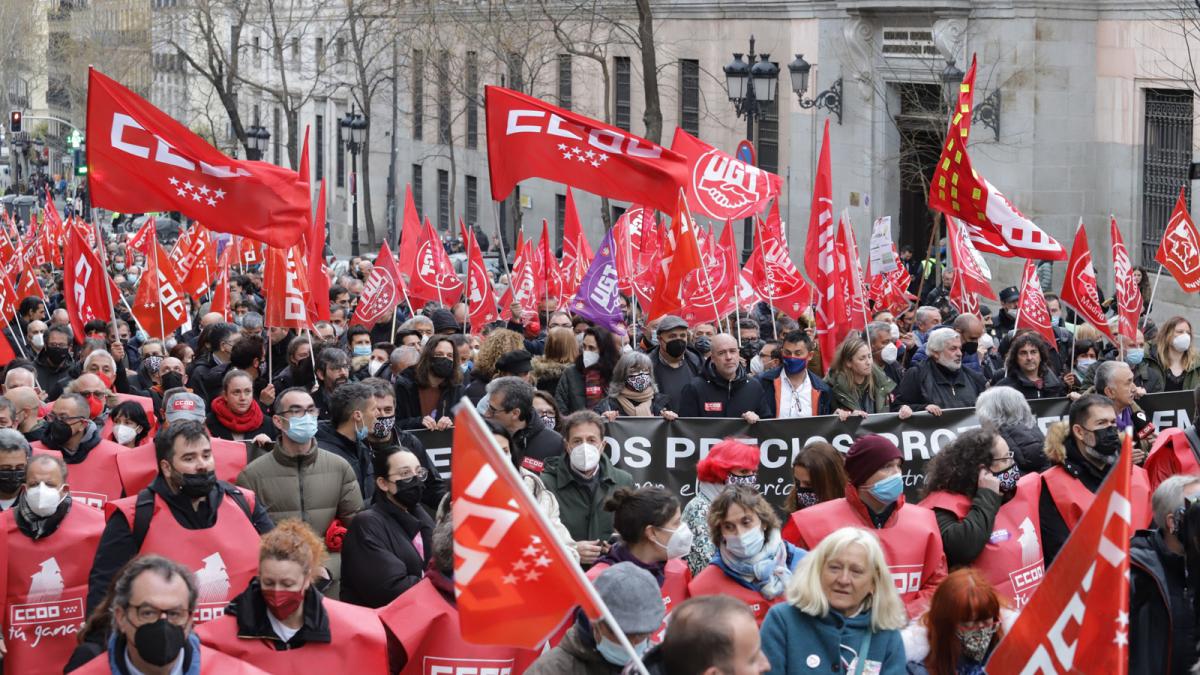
{"x": 320, "y": 140}
{"x": 516, "y": 79}
{"x": 418, "y": 93}
{"x": 472, "y": 100}
{"x": 1166, "y": 160}
{"x": 443, "y": 105}
{"x": 276, "y": 135}
{"x": 339, "y": 49}
{"x": 295, "y": 54}
{"x": 320, "y": 54}
{"x": 768, "y": 136}
{"x": 443, "y": 200}
{"x": 564, "y": 80}
{"x": 256, "y": 45}
{"x": 418, "y": 189}
{"x": 689, "y": 96}
{"x": 560, "y": 219}
{"x": 341, "y": 157}
{"x": 623, "y": 70}
{"x": 472, "y": 205}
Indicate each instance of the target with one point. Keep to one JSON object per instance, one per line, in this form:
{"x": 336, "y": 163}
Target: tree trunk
{"x": 368, "y": 220}
{"x": 653, "y": 113}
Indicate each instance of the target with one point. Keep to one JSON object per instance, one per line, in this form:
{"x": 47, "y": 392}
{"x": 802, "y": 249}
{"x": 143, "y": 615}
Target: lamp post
{"x": 830, "y": 99}
{"x": 257, "y": 137}
{"x": 355, "y": 125}
{"x": 750, "y": 84}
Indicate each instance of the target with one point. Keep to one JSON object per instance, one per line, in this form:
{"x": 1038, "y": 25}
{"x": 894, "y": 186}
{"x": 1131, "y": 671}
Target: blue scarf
{"x": 767, "y": 572}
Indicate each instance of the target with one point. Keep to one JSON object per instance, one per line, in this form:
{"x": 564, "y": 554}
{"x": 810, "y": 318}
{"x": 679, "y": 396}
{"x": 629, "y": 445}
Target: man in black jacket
{"x": 940, "y": 381}
{"x": 674, "y": 364}
{"x": 54, "y": 362}
{"x": 724, "y": 388}
{"x": 353, "y": 411}
{"x": 385, "y": 433}
{"x": 510, "y": 404}
{"x": 1162, "y": 626}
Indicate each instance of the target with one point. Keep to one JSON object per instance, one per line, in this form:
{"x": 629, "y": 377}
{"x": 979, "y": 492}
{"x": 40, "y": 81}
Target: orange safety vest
{"x": 138, "y": 466}
{"x": 95, "y": 480}
{"x": 1072, "y": 498}
{"x": 223, "y": 557}
{"x": 1012, "y": 558}
{"x": 357, "y": 644}
{"x": 427, "y": 626}
{"x": 713, "y": 580}
{"x": 47, "y": 583}
{"x": 1172, "y": 454}
{"x": 911, "y": 542}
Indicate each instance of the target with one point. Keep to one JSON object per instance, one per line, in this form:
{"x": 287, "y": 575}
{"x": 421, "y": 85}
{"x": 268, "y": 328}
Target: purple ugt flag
{"x": 598, "y": 297}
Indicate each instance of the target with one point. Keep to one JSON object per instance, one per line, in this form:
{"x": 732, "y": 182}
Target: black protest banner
{"x": 655, "y": 451}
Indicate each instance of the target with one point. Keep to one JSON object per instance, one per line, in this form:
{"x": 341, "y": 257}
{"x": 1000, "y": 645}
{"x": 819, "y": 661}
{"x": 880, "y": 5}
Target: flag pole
{"x": 1153, "y": 291}
{"x": 499, "y": 459}
{"x": 762, "y": 251}
{"x": 112, "y": 311}
{"x": 13, "y": 331}
{"x": 155, "y": 279}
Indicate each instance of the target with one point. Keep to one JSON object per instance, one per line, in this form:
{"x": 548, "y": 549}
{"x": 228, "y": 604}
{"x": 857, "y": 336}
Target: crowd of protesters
{"x": 238, "y": 498}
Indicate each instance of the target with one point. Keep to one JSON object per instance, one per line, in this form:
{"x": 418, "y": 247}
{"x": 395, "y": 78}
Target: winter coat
{"x": 575, "y": 655}
{"x": 916, "y": 646}
{"x": 791, "y": 638}
{"x": 1191, "y": 376}
{"x": 581, "y": 508}
{"x": 570, "y": 394}
{"x": 1052, "y": 385}
{"x": 408, "y": 402}
{"x": 1162, "y": 627}
{"x": 536, "y": 441}
{"x": 546, "y": 373}
{"x": 355, "y": 452}
{"x": 671, "y": 381}
{"x": 1025, "y": 442}
{"x": 848, "y": 397}
{"x": 380, "y": 559}
{"x": 218, "y": 430}
{"x": 658, "y": 404}
{"x": 930, "y": 383}
{"x": 547, "y": 503}
{"x": 711, "y": 395}
{"x": 315, "y": 488}
{"x": 476, "y": 386}
{"x": 769, "y": 379}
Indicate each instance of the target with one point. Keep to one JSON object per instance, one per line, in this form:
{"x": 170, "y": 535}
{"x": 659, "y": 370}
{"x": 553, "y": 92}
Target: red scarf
{"x": 247, "y": 421}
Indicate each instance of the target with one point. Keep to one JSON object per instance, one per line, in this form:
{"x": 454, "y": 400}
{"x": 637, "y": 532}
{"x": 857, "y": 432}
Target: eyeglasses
{"x": 92, "y": 394}
{"x": 296, "y": 411}
{"x": 1003, "y": 459}
{"x": 51, "y": 418}
{"x": 493, "y": 410}
{"x": 420, "y": 474}
{"x": 147, "y": 613}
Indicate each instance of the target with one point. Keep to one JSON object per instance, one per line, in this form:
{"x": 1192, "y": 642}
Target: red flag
{"x": 1129, "y": 296}
{"x": 636, "y": 241}
{"x": 318, "y": 273}
{"x": 681, "y": 256}
{"x": 83, "y": 284}
{"x": 159, "y": 306}
{"x": 528, "y": 138}
{"x": 820, "y": 258}
{"x": 53, "y": 220}
{"x": 963, "y": 300}
{"x": 512, "y": 577}
{"x": 521, "y": 284}
{"x": 249, "y": 251}
{"x": 710, "y": 292}
{"x": 481, "y": 297}
{"x": 140, "y": 240}
{"x": 1179, "y": 250}
{"x": 139, "y": 159}
{"x": 577, "y": 253}
{"x": 9, "y": 260}
{"x": 854, "y": 303}
{"x": 220, "y": 296}
{"x": 720, "y": 186}
{"x": 977, "y": 277}
{"x": 9, "y": 299}
{"x": 410, "y": 235}
{"x": 285, "y": 289}
{"x": 1079, "y": 285}
{"x": 433, "y": 276}
{"x": 550, "y": 280}
{"x": 771, "y": 271}
{"x": 1078, "y": 620}
{"x": 198, "y": 265}
{"x": 958, "y": 190}
{"x": 1031, "y": 311}
{"x": 27, "y": 285}
{"x": 381, "y": 291}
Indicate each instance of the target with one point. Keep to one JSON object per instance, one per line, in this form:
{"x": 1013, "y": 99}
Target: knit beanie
{"x": 867, "y": 455}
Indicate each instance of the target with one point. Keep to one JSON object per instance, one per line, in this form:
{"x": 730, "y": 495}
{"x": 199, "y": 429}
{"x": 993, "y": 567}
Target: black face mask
{"x": 1108, "y": 443}
{"x": 57, "y": 434}
{"x": 197, "y": 485}
{"x": 171, "y": 381}
{"x": 703, "y": 345}
{"x": 158, "y": 643}
{"x": 11, "y": 479}
{"x": 970, "y": 347}
{"x": 409, "y": 492}
{"x": 302, "y": 373}
{"x": 441, "y": 366}
{"x": 675, "y": 348}
{"x": 56, "y": 354}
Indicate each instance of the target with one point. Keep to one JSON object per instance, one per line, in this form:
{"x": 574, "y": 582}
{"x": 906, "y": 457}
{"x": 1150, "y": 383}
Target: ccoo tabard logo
{"x": 727, "y": 188}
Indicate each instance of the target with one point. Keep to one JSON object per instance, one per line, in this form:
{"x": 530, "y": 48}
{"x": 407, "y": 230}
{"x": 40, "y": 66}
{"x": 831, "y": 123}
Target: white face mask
{"x": 590, "y": 359}
{"x": 1181, "y": 343}
{"x": 123, "y": 433}
{"x": 895, "y": 331}
{"x": 985, "y": 343}
{"x": 888, "y": 353}
{"x": 43, "y": 500}
{"x": 585, "y": 457}
{"x": 680, "y": 542}
{"x": 374, "y": 366}
{"x": 424, "y": 339}
{"x": 625, "y": 349}
{"x": 756, "y": 366}
{"x": 38, "y": 340}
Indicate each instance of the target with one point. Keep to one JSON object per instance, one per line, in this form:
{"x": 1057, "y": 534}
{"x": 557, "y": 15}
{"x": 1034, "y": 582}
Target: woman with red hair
{"x": 966, "y": 620}
{"x": 730, "y": 462}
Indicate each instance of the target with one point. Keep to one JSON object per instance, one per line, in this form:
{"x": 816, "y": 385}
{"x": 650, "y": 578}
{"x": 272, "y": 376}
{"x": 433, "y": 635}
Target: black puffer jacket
{"x": 930, "y": 383}
{"x": 1162, "y": 631}
{"x": 710, "y": 395}
{"x": 1052, "y": 385}
{"x": 408, "y": 401}
{"x": 1026, "y": 443}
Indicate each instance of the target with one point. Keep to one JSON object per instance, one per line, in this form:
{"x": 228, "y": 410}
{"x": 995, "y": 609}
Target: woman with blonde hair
{"x": 497, "y": 343}
{"x": 859, "y": 386}
{"x": 1174, "y": 356}
{"x": 281, "y": 622}
{"x": 561, "y": 351}
{"x": 841, "y": 608}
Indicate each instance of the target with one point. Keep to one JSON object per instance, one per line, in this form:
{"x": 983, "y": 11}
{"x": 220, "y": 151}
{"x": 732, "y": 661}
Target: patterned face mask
{"x": 975, "y": 641}
{"x": 639, "y": 382}
{"x": 805, "y": 497}
{"x": 1008, "y": 479}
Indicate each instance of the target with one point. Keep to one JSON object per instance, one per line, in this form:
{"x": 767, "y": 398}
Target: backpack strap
{"x": 246, "y": 504}
{"x": 143, "y": 511}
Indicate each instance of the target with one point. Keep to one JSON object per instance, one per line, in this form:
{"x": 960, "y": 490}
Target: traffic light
{"x": 79, "y": 160}
{"x": 14, "y": 121}
{"x": 75, "y": 139}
